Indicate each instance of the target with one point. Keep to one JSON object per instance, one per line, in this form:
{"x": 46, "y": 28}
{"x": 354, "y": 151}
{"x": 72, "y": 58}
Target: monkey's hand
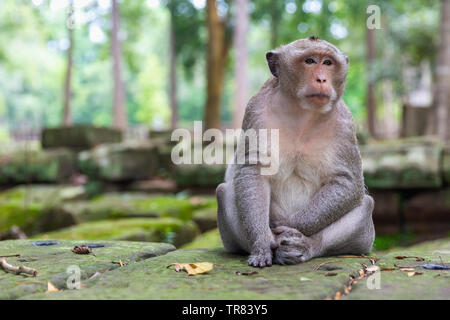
{"x": 261, "y": 256}
{"x": 293, "y": 247}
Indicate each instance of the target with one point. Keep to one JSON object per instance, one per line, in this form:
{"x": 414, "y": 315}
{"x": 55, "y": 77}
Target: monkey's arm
{"x": 252, "y": 194}
{"x": 342, "y": 192}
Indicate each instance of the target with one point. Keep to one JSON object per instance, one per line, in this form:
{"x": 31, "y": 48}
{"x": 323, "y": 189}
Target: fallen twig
{"x": 323, "y": 263}
{"x": 17, "y": 270}
{"x": 363, "y": 273}
{"x": 120, "y": 262}
{"x": 373, "y": 260}
{"x": 407, "y": 257}
{"x": 10, "y": 255}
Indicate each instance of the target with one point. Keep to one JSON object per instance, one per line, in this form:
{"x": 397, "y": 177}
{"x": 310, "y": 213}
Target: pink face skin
{"x": 317, "y": 91}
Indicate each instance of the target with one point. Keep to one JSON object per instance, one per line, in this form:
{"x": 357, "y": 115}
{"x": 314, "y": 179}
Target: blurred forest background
{"x": 158, "y": 64}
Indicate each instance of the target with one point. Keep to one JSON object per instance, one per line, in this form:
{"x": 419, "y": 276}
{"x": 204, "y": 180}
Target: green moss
{"x": 139, "y": 229}
{"x": 26, "y": 166}
{"x": 207, "y": 240}
{"x": 206, "y": 218}
{"x": 126, "y": 205}
{"x": 30, "y": 208}
{"x": 52, "y": 262}
{"x": 390, "y": 241}
{"x": 199, "y": 175}
{"x": 151, "y": 279}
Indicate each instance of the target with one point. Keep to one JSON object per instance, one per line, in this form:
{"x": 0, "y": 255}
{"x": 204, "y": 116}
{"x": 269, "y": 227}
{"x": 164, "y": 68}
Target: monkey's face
{"x": 311, "y": 71}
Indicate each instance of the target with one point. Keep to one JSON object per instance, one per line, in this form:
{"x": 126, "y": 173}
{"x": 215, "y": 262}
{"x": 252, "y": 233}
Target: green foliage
{"x": 33, "y": 44}
{"x": 391, "y": 241}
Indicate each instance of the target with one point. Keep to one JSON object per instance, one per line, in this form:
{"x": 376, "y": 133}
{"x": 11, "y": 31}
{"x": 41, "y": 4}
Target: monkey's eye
{"x": 309, "y": 61}
{"x": 328, "y": 62}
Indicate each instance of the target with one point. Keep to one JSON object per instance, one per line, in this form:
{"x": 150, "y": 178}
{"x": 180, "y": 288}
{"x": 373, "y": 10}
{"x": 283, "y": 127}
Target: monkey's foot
{"x": 261, "y": 258}
{"x": 293, "y": 246}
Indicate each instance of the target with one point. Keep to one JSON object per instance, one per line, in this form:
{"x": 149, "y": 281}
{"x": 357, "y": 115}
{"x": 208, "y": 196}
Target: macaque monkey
{"x": 315, "y": 204}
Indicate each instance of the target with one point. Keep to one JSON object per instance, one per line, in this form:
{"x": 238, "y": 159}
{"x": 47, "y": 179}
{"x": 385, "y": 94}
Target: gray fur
{"x": 337, "y": 217}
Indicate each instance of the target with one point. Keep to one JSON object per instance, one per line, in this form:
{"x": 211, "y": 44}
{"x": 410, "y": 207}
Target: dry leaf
{"x": 51, "y": 287}
{"x": 83, "y": 249}
{"x": 411, "y": 274}
{"x": 337, "y": 296}
{"x": 388, "y": 269}
{"x": 193, "y": 268}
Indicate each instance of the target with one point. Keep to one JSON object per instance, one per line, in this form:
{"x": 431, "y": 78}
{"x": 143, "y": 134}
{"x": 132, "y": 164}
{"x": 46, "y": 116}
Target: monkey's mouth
{"x": 318, "y": 95}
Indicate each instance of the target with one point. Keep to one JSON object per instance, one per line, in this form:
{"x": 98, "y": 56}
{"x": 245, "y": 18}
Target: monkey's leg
{"x": 352, "y": 234}
{"x": 226, "y": 217}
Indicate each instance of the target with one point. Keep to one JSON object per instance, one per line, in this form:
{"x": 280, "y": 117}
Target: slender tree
{"x": 241, "y": 59}
{"x": 173, "y": 63}
{"x": 442, "y": 93}
{"x": 371, "y": 100}
{"x": 120, "y": 117}
{"x": 67, "y": 116}
{"x": 217, "y": 55}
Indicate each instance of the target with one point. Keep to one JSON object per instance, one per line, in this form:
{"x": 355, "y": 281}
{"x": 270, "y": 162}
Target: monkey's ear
{"x": 346, "y": 58}
{"x": 273, "y": 59}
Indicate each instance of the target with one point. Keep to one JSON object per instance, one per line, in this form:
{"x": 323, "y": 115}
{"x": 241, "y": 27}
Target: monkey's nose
{"x": 321, "y": 80}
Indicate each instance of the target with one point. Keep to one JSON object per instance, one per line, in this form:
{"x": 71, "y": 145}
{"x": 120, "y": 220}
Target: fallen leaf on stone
{"x": 347, "y": 289}
{"x": 406, "y": 257}
{"x": 330, "y": 274}
{"x": 388, "y": 269}
{"x": 193, "y": 268}
{"x": 239, "y": 273}
{"x": 83, "y": 249}
{"x": 51, "y": 287}
{"x": 412, "y": 274}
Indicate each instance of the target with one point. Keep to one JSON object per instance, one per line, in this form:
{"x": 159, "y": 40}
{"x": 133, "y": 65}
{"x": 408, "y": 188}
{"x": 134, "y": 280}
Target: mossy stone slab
{"x": 137, "y": 229}
{"x": 52, "y": 262}
{"x": 37, "y": 208}
{"x": 152, "y": 279}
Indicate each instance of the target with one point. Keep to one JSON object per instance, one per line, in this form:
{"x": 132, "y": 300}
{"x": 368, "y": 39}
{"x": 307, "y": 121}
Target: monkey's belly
{"x": 291, "y": 194}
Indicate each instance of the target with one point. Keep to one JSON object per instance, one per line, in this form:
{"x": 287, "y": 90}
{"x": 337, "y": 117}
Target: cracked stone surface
{"x": 52, "y": 262}
{"x": 151, "y": 279}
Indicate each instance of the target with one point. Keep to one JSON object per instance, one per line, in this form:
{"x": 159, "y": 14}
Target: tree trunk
{"x": 173, "y": 75}
{"x": 371, "y": 101}
{"x": 442, "y": 93}
{"x": 241, "y": 58}
{"x": 217, "y": 53}
{"x": 120, "y": 118}
{"x": 276, "y": 13}
{"x": 67, "y": 116}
